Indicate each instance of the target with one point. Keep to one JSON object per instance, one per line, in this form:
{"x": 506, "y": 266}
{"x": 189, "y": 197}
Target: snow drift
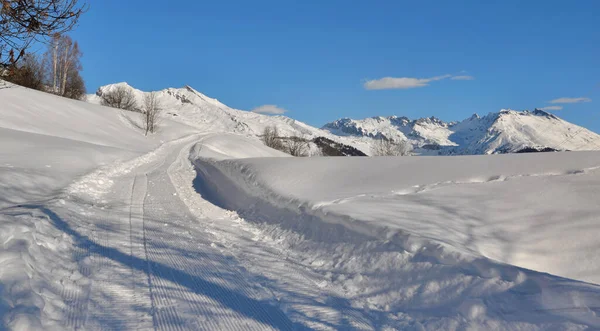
{"x": 422, "y": 235}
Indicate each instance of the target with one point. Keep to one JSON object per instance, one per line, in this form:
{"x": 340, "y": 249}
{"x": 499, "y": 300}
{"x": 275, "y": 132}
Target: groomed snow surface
{"x": 102, "y": 228}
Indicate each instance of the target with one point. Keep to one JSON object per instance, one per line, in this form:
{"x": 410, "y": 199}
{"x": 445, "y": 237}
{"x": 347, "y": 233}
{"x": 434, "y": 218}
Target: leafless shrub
{"x": 74, "y": 86}
{"x": 389, "y": 147}
{"x": 296, "y": 146}
{"x": 270, "y": 138}
{"x": 152, "y": 109}
{"x": 28, "y": 72}
{"x": 119, "y": 97}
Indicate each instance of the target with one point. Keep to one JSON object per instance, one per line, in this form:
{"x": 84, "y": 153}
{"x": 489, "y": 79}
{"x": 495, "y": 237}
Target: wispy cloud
{"x": 269, "y": 109}
{"x": 552, "y": 108}
{"x": 388, "y": 83}
{"x": 463, "y": 77}
{"x": 571, "y": 100}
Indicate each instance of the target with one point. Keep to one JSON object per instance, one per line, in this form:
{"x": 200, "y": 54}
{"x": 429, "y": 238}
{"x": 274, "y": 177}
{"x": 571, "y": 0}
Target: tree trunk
{"x": 65, "y": 70}
{"x": 54, "y": 65}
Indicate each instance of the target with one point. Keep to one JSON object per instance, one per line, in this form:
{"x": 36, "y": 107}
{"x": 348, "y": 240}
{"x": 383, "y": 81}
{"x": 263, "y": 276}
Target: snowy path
{"x": 148, "y": 264}
{"x": 154, "y": 255}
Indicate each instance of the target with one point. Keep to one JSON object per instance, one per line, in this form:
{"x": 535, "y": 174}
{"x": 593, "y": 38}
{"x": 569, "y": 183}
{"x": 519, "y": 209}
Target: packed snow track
{"x": 144, "y": 262}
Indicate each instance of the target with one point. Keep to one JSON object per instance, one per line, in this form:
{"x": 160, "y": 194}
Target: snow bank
{"x": 512, "y": 208}
{"x": 438, "y": 236}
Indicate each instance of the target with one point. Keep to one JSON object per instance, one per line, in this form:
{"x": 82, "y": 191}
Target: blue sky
{"x": 322, "y": 60}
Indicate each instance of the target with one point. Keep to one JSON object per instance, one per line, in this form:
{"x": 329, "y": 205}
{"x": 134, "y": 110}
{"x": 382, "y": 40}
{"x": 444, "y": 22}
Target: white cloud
{"x": 269, "y": 109}
{"x": 571, "y": 100}
{"x": 464, "y": 77}
{"x": 388, "y": 83}
{"x": 552, "y": 108}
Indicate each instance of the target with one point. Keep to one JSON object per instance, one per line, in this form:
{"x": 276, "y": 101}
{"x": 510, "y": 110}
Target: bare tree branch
{"x": 23, "y": 21}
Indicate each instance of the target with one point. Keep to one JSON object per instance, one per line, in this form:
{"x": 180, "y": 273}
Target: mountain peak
{"x": 540, "y": 112}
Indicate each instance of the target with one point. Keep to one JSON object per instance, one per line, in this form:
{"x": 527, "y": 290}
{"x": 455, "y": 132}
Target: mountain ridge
{"x": 194, "y": 108}
{"x": 506, "y": 131}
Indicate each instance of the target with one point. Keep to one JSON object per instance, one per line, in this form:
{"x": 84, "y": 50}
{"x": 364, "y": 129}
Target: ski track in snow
{"x": 146, "y": 264}
{"x": 156, "y": 256}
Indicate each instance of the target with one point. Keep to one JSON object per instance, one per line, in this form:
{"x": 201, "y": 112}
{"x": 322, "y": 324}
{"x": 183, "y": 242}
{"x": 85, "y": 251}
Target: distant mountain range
{"x": 507, "y": 131}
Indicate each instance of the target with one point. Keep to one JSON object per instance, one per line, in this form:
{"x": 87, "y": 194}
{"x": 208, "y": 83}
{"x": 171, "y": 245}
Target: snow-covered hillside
{"x": 193, "y": 228}
{"x": 507, "y": 131}
{"x": 46, "y": 141}
{"x": 193, "y": 108}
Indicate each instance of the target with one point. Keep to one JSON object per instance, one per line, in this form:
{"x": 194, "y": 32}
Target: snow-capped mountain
{"x": 207, "y": 114}
{"x": 507, "y": 131}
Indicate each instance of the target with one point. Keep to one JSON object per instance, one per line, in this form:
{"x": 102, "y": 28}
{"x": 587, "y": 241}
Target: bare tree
{"x": 119, "y": 97}
{"x": 74, "y": 86}
{"x": 296, "y": 146}
{"x": 24, "y": 21}
{"x": 69, "y": 61}
{"x": 389, "y": 147}
{"x": 270, "y": 138}
{"x": 151, "y": 112}
{"x": 64, "y": 66}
